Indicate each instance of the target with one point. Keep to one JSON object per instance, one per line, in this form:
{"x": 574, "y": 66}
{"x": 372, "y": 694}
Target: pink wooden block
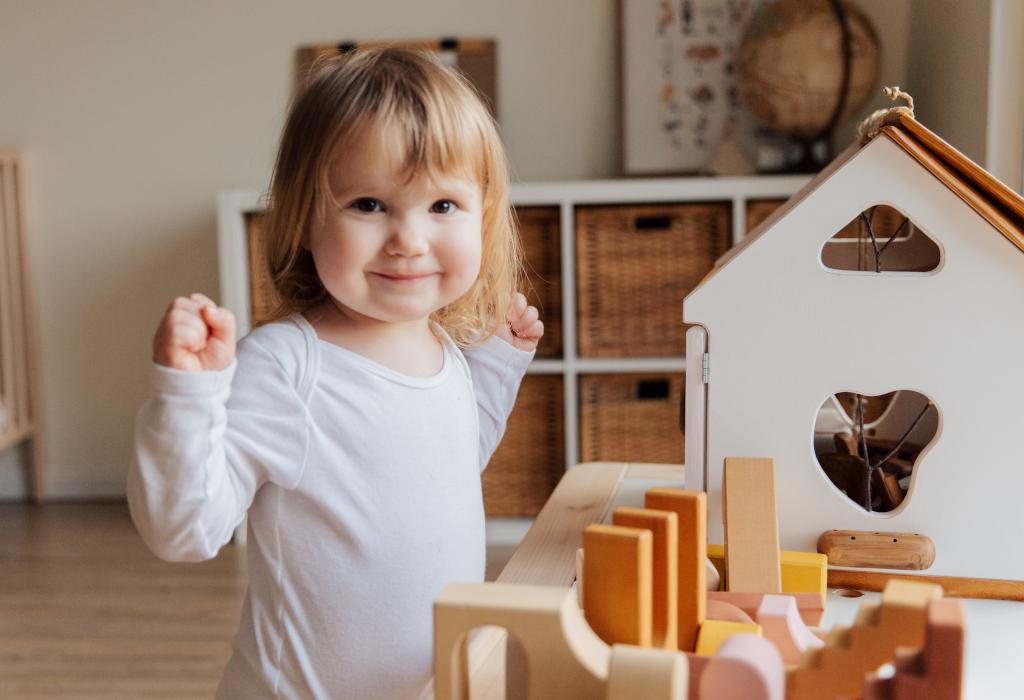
{"x": 746, "y": 666}
{"x": 782, "y": 625}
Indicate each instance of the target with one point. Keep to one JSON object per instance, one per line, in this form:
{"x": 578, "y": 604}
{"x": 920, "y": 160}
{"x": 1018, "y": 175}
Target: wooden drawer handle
{"x": 877, "y": 550}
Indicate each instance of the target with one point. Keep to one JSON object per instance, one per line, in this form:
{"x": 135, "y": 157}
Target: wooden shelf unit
{"x": 746, "y": 199}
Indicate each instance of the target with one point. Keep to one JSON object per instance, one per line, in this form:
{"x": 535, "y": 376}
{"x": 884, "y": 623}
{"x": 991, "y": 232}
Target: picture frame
{"x": 680, "y": 112}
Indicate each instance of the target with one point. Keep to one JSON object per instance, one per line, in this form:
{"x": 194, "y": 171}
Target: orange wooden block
{"x": 617, "y": 583}
{"x": 751, "y": 526}
{"x": 664, "y": 526}
{"x": 691, "y": 510}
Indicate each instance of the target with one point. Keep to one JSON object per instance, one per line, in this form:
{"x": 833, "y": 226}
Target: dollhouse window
{"x": 869, "y": 446}
{"x": 881, "y": 239}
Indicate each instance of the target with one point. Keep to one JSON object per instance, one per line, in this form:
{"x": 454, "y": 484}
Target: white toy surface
{"x": 784, "y": 333}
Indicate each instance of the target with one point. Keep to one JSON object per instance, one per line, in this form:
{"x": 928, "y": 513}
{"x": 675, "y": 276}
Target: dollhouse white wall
{"x": 785, "y": 333}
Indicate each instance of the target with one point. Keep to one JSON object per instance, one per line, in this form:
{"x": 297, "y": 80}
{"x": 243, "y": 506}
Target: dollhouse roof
{"x": 991, "y": 199}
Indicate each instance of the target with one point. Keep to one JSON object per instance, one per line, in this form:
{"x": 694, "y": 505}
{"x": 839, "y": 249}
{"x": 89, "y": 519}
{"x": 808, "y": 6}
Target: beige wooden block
{"x": 690, "y": 508}
{"x": 751, "y": 526}
{"x": 664, "y": 526}
{"x": 617, "y": 572}
{"x": 635, "y": 672}
{"x": 562, "y": 656}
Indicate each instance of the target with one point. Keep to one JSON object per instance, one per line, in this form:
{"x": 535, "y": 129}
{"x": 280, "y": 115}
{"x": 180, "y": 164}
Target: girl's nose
{"x": 406, "y": 239}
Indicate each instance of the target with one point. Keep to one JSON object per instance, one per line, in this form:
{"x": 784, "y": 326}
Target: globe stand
{"x": 815, "y": 154}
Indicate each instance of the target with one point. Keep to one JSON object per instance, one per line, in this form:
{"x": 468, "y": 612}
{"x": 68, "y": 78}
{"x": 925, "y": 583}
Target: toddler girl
{"x": 354, "y": 427}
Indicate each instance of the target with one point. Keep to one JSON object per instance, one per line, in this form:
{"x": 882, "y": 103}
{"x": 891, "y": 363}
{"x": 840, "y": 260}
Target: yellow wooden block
{"x": 802, "y": 572}
{"x": 713, "y": 634}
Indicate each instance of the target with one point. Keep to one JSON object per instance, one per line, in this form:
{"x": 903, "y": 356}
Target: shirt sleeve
{"x": 497, "y": 369}
{"x": 204, "y": 444}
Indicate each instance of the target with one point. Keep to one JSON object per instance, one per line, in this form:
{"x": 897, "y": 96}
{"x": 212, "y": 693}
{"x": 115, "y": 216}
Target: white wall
{"x": 948, "y": 70}
{"x": 134, "y": 115}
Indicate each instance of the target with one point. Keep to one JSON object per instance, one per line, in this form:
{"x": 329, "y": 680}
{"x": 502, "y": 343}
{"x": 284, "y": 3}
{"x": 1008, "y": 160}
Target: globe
{"x": 791, "y": 67}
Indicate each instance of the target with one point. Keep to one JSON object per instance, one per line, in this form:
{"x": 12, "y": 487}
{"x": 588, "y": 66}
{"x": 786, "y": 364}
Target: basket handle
{"x": 653, "y": 389}
{"x": 656, "y": 222}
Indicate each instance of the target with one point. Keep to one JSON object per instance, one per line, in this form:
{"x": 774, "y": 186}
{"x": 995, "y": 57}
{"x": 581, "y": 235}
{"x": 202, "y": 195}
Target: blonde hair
{"x": 443, "y": 127}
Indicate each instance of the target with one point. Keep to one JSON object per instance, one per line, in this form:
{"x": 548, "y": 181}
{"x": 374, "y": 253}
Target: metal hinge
{"x": 704, "y": 366}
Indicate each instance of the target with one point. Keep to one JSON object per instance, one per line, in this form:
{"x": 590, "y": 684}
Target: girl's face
{"x": 395, "y": 249}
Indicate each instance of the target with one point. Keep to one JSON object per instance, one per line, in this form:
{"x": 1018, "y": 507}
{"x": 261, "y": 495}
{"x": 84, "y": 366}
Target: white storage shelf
{"x": 233, "y": 206}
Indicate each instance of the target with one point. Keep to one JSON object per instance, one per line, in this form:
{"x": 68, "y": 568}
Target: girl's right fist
{"x": 194, "y": 335}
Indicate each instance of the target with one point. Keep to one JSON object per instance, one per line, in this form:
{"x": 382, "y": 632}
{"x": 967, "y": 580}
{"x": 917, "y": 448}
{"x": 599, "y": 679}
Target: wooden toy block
{"x": 579, "y": 581}
{"x": 810, "y": 605}
{"x": 617, "y": 583}
{"x": 838, "y": 668}
{"x": 746, "y": 667}
{"x": 781, "y": 624}
{"x": 712, "y": 577}
{"x": 934, "y": 671}
{"x": 751, "y": 526}
{"x": 664, "y": 526}
{"x": 634, "y": 672}
{"x": 727, "y": 612}
{"x": 563, "y": 657}
{"x": 697, "y": 666}
{"x": 690, "y": 508}
{"x": 802, "y": 572}
{"x": 877, "y": 550}
{"x": 714, "y": 632}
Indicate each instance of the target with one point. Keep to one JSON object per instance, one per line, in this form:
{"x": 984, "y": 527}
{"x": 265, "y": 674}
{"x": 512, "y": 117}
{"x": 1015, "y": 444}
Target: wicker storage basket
{"x": 539, "y": 230}
{"x": 760, "y": 209}
{"x": 631, "y": 418}
{"x": 262, "y": 296}
{"x": 635, "y": 264}
{"x": 530, "y": 460}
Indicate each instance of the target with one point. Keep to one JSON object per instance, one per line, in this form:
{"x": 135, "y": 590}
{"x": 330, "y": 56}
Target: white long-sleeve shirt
{"x": 362, "y": 487}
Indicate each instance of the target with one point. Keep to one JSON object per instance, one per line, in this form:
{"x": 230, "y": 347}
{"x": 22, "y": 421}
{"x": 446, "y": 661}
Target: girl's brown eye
{"x": 368, "y": 205}
{"x": 444, "y": 206}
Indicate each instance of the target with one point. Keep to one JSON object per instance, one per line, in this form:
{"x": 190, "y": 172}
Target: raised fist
{"x": 195, "y": 335}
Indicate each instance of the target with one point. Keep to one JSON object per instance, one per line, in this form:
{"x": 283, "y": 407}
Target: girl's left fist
{"x": 523, "y": 328}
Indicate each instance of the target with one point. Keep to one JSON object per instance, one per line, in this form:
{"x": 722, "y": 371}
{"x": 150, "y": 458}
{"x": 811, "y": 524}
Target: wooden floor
{"x": 86, "y": 611}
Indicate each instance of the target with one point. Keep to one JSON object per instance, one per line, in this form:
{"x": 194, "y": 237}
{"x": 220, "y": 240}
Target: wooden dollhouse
{"x": 787, "y": 325}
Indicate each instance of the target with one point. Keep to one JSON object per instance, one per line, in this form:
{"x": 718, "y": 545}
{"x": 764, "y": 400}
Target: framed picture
{"x": 679, "y": 102}
{"x": 476, "y": 58}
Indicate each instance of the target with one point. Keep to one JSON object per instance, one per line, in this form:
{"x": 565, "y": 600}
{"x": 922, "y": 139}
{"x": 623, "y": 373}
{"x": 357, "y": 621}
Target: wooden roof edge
{"x": 990, "y": 198}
